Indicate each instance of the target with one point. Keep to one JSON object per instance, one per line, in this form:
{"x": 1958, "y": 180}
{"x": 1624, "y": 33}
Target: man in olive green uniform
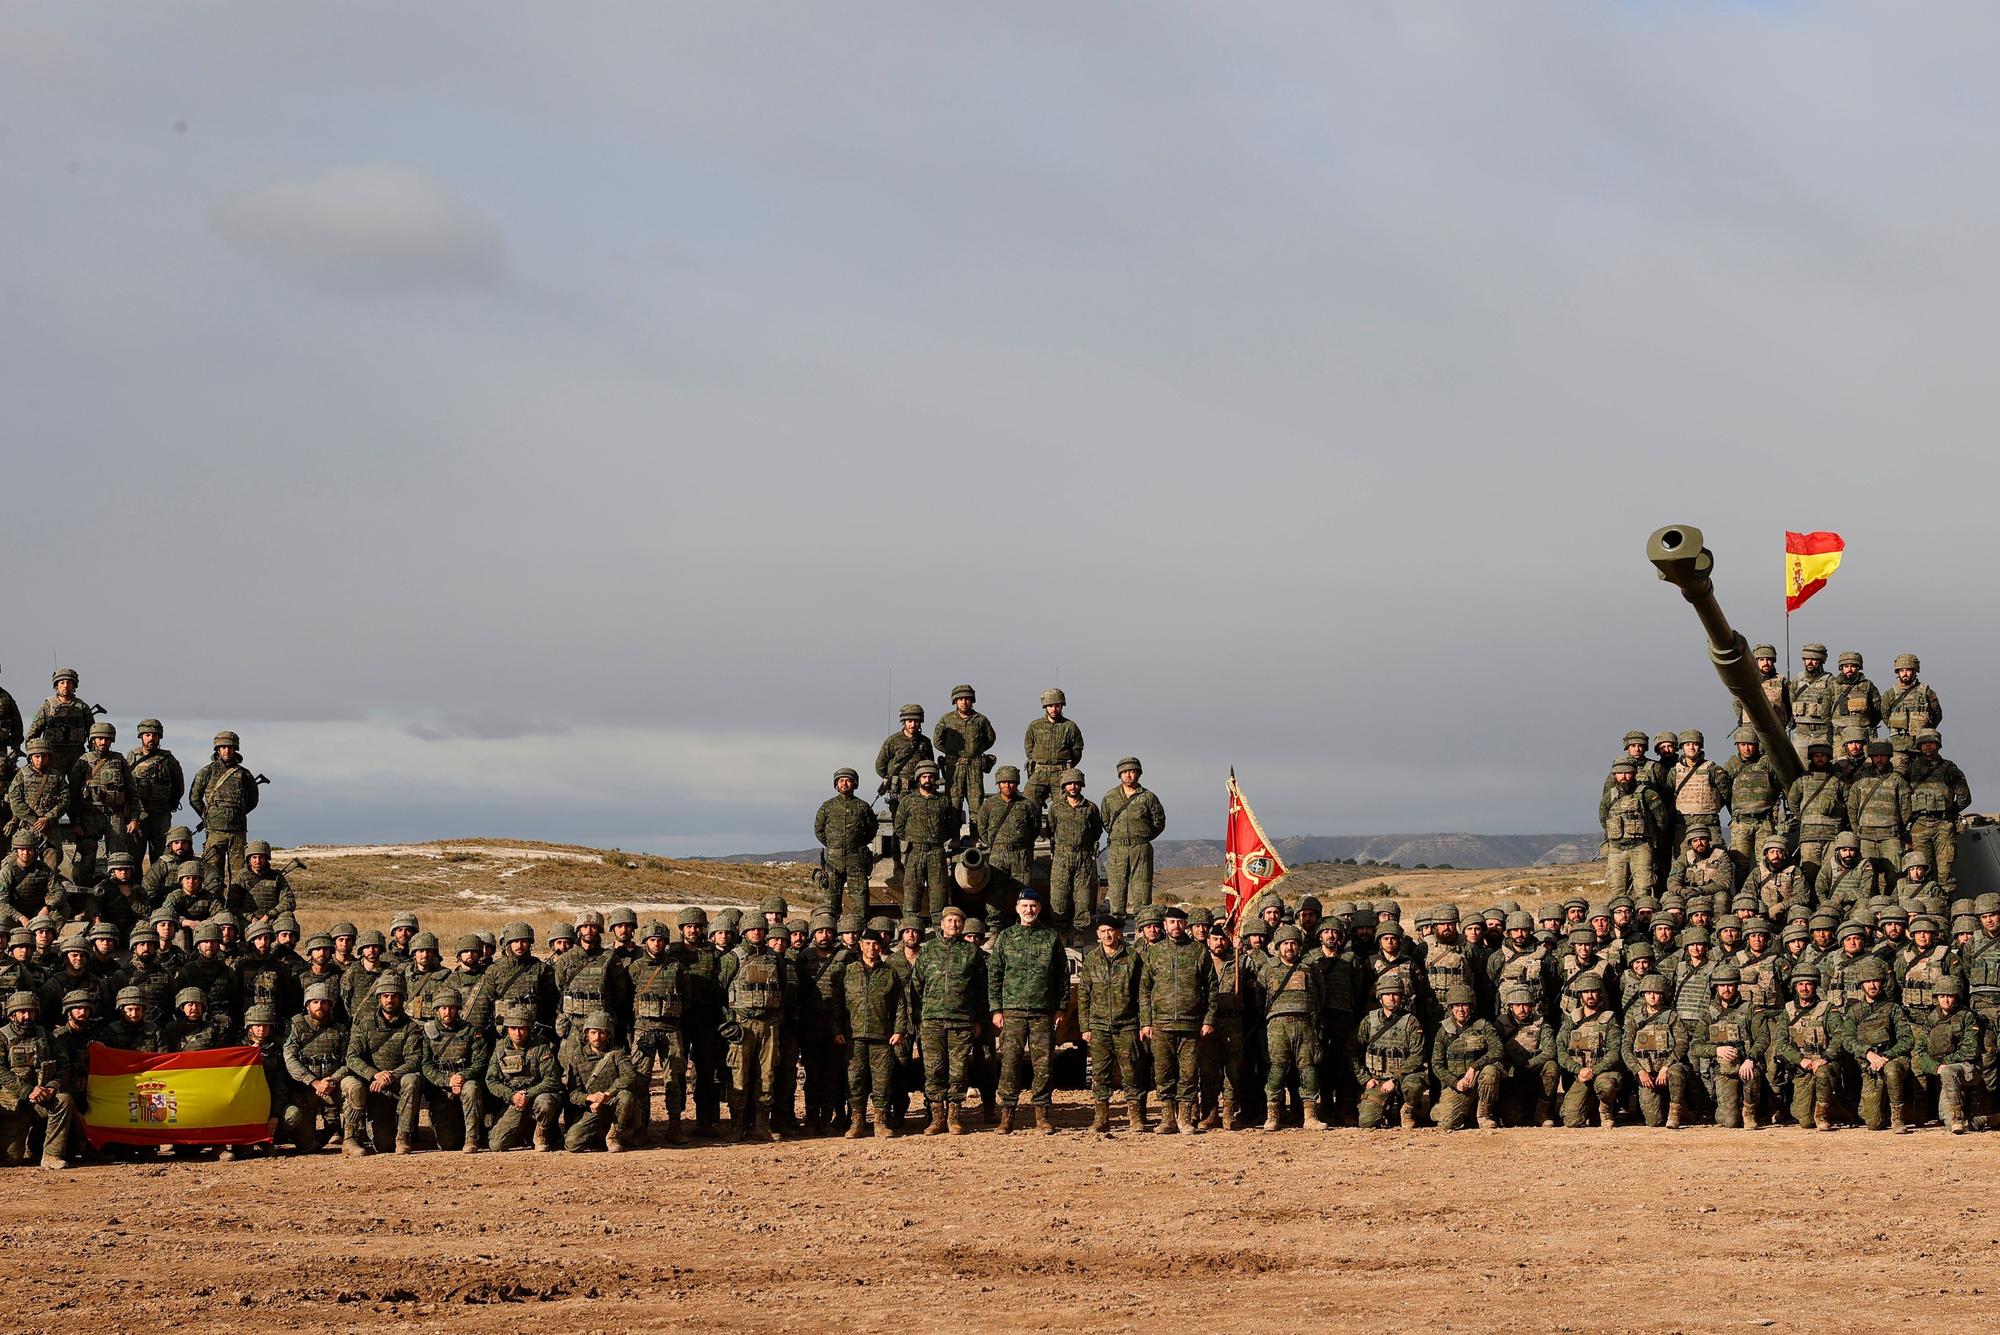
{"x": 159, "y": 784}
{"x": 1075, "y": 825}
{"x": 925, "y": 821}
{"x": 1053, "y": 744}
{"x": 1879, "y": 804}
{"x": 1939, "y": 795}
{"x": 1856, "y": 702}
{"x": 1700, "y": 788}
{"x": 1703, "y": 869}
{"x": 316, "y": 1060}
{"x": 1909, "y": 707}
{"x": 1851, "y": 758}
{"x": 896, "y": 760}
{"x": 601, "y": 1086}
{"x": 1813, "y": 692}
{"x": 1727, "y": 1046}
{"x": 224, "y": 794}
{"x": 1875, "y": 1034}
{"x": 1808, "y": 1045}
{"x": 1777, "y": 688}
{"x": 1007, "y": 825}
{"x": 1817, "y": 801}
{"x": 1390, "y": 1062}
{"x": 1947, "y": 1057}
{"x": 104, "y": 807}
{"x": 38, "y": 801}
{"x": 874, "y": 1018}
{"x": 384, "y": 1070}
{"x": 964, "y": 740}
{"x": 1027, "y": 983}
{"x": 1133, "y": 819}
{"x": 948, "y": 1000}
{"x": 1528, "y": 1051}
{"x": 1656, "y": 1048}
{"x": 516, "y": 976}
{"x": 453, "y": 1061}
{"x": 1176, "y": 1011}
{"x": 755, "y": 991}
{"x": 845, "y": 827}
{"x": 63, "y": 721}
{"x": 1845, "y": 879}
{"x": 1778, "y": 883}
{"x": 1465, "y": 1053}
{"x": 1107, "y": 1011}
{"x": 820, "y": 1000}
{"x": 163, "y": 877}
{"x": 1634, "y": 823}
{"x": 525, "y": 1076}
{"x": 703, "y": 1018}
{"x": 1591, "y": 1049}
{"x": 1756, "y": 795}
{"x": 658, "y": 985}
{"x": 29, "y": 1085}
{"x": 1292, "y": 1003}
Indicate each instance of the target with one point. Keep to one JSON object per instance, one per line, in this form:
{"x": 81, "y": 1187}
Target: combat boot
{"x": 1042, "y": 1122}
{"x": 1673, "y": 1117}
{"x": 1189, "y": 1120}
{"x": 1136, "y": 1120}
{"x": 1169, "y": 1119}
{"x": 1315, "y": 1122}
{"x": 1006, "y": 1127}
{"x": 1822, "y": 1117}
{"x": 1607, "y": 1114}
{"x": 1951, "y": 1111}
{"x": 1897, "y": 1122}
{"x": 674, "y": 1136}
{"x": 1230, "y": 1122}
{"x": 885, "y": 1125}
{"x": 954, "y": 1123}
{"x": 1488, "y": 1092}
{"x": 763, "y": 1129}
{"x": 402, "y": 1145}
{"x": 471, "y": 1145}
{"x": 1213, "y": 1121}
{"x": 1100, "y": 1118}
{"x": 544, "y": 1141}
{"x": 936, "y": 1128}
{"x": 858, "y": 1128}
{"x": 1409, "y": 1118}
{"x": 614, "y": 1143}
{"x": 1270, "y": 1119}
{"x": 1750, "y": 1122}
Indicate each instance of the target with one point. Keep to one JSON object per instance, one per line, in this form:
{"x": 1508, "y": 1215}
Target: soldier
{"x": 703, "y": 1019}
{"x": 28, "y": 887}
{"x": 1777, "y": 883}
{"x": 1656, "y": 1046}
{"x": 845, "y": 827}
{"x": 1591, "y": 1048}
{"x": 755, "y": 993}
{"x": 358, "y": 982}
{"x": 901, "y": 752}
{"x": 454, "y": 1057}
{"x": 602, "y": 1087}
{"x": 1853, "y": 757}
{"x": 1700, "y": 788}
{"x": 1221, "y": 1054}
{"x": 1939, "y": 795}
{"x": 874, "y": 1018}
{"x": 1817, "y": 800}
{"x": 214, "y": 974}
{"x": 1523, "y": 963}
{"x": 118, "y": 899}
{"x": 947, "y": 1001}
{"x": 1947, "y": 1057}
{"x": 1807, "y": 1044}
{"x": 1053, "y": 744}
{"x": 1390, "y": 1065}
{"x": 1528, "y": 1051}
{"x": 163, "y": 877}
{"x": 38, "y": 799}
{"x": 1465, "y": 1053}
{"x": 1075, "y": 825}
{"x": 1856, "y": 702}
{"x": 264, "y": 979}
{"x": 1133, "y": 818}
{"x": 1727, "y": 1046}
{"x": 316, "y": 1060}
{"x": 1007, "y": 825}
{"x": 104, "y": 806}
{"x": 1813, "y": 692}
{"x": 1107, "y": 1010}
{"x": 658, "y": 983}
{"x": 525, "y": 1076}
{"x": 1777, "y": 689}
{"x": 622, "y": 926}
{"x": 131, "y": 1027}
{"x": 1845, "y": 880}
{"x": 224, "y": 794}
{"x": 1875, "y": 1034}
{"x": 820, "y": 998}
{"x": 261, "y": 1031}
{"x": 159, "y": 785}
{"x": 1634, "y": 823}
{"x": 265, "y": 893}
{"x": 63, "y": 721}
{"x": 1910, "y": 706}
{"x": 1027, "y": 973}
{"x": 1879, "y": 803}
{"x": 964, "y": 740}
{"x": 1756, "y": 793}
{"x": 384, "y": 1079}
{"x": 30, "y": 1087}
{"x": 1703, "y": 870}
{"x": 589, "y": 978}
{"x": 925, "y": 821}
{"x": 1177, "y": 1010}
{"x": 1292, "y": 1005}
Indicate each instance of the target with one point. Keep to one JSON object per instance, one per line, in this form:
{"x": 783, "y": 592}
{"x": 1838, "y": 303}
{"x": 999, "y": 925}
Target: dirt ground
{"x": 1544, "y": 1230}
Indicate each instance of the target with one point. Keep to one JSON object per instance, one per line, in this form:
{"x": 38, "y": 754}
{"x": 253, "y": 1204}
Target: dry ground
{"x": 1571, "y": 1230}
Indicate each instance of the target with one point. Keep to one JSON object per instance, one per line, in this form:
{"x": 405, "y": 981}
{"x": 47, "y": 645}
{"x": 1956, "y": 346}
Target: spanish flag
{"x": 1809, "y": 559}
{"x": 218, "y": 1097}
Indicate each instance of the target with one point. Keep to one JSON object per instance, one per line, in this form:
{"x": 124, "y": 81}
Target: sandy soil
{"x": 1594, "y": 1230}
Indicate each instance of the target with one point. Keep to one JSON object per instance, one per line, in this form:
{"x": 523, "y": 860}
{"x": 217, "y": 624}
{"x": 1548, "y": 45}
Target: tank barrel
{"x": 1676, "y": 551}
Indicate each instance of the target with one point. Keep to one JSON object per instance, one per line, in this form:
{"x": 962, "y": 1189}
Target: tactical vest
{"x": 1931, "y": 790}
{"x": 1817, "y": 799}
{"x": 1525, "y": 970}
{"x": 1872, "y": 1026}
{"x": 1444, "y": 967}
{"x": 1808, "y": 1029}
{"x": 1943, "y": 1038}
{"x": 1921, "y": 979}
{"x": 224, "y": 799}
{"x": 584, "y": 992}
{"x": 1760, "y": 980}
{"x": 1694, "y": 789}
{"x": 1730, "y": 1028}
{"x": 1872, "y": 803}
{"x": 105, "y": 791}
{"x": 1907, "y": 709}
{"x": 1524, "y": 1041}
{"x": 1396, "y": 1049}
{"x": 1291, "y": 992}
{"x": 757, "y": 992}
{"x": 1852, "y": 702}
{"x": 1589, "y": 1040}
{"x": 1833, "y": 980}
{"x": 1463, "y": 1048}
{"x": 65, "y": 726}
{"x": 452, "y": 1050}
{"x": 1812, "y": 700}
{"x": 153, "y": 781}
{"x": 657, "y": 1001}
{"x": 1653, "y": 1039}
{"x": 1625, "y": 821}
{"x": 518, "y": 1070}
{"x": 1982, "y": 977}
{"x": 322, "y": 1049}
{"x": 1691, "y": 991}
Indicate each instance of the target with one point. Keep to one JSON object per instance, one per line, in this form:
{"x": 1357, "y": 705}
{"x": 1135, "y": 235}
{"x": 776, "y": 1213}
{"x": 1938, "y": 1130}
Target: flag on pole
{"x": 217, "y": 1097}
{"x": 1809, "y": 559}
{"x": 1250, "y": 864}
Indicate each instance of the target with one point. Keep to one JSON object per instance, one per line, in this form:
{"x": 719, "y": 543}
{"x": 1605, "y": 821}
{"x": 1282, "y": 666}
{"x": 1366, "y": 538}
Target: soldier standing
{"x": 873, "y": 1019}
{"x": 63, "y": 721}
{"x": 845, "y": 827}
{"x": 1133, "y": 819}
{"x": 1075, "y": 825}
{"x": 1176, "y": 1011}
{"x": 103, "y": 805}
{"x": 755, "y": 998}
{"x": 589, "y": 978}
{"x": 947, "y": 1001}
{"x": 1879, "y": 804}
{"x": 925, "y": 820}
{"x": 1909, "y": 707}
{"x": 1756, "y": 790}
{"x": 657, "y": 982}
{"x": 1634, "y": 824}
{"x": 1939, "y": 795}
{"x": 1053, "y": 744}
{"x": 819, "y": 966}
{"x": 964, "y": 740}
{"x": 1027, "y": 975}
{"x": 896, "y": 760}
{"x": 1813, "y": 692}
{"x": 1107, "y": 1010}
{"x": 1292, "y": 1006}
{"x": 38, "y": 800}
{"x": 1817, "y": 801}
{"x": 159, "y": 784}
{"x": 224, "y": 794}
{"x": 1777, "y": 688}
{"x": 1007, "y": 825}
{"x": 1700, "y": 788}
{"x": 1856, "y": 702}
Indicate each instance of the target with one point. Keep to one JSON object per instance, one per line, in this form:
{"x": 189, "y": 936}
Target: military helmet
{"x": 727, "y": 920}
{"x": 1520, "y": 922}
{"x": 1764, "y": 651}
{"x": 317, "y": 941}
{"x": 1809, "y": 972}
{"x": 1200, "y": 917}
{"x": 1915, "y": 858}
{"x": 1871, "y": 967}
{"x": 520, "y": 1015}
{"x": 486, "y": 938}
{"x": 963, "y": 692}
{"x": 1892, "y": 913}
{"x": 1129, "y": 762}
{"x": 590, "y": 918}
{"x": 151, "y": 725}
{"x": 429, "y": 941}
{"x": 1700, "y": 832}
{"x": 189, "y": 994}
{"x": 105, "y": 729}
{"x": 845, "y": 773}
{"x": 261, "y": 1015}
{"x": 559, "y": 931}
{"x": 64, "y": 674}
{"x": 1814, "y": 650}
{"x": 1661, "y": 739}
{"x": 1445, "y": 913}
{"x": 21, "y": 936}
{"x": 911, "y": 714}
{"x": 1908, "y": 661}
{"x": 691, "y": 916}
{"x": 130, "y": 996}
{"x": 1695, "y": 936}
{"x": 320, "y": 992}
{"x": 1054, "y": 696}
{"x": 180, "y": 832}
{"x": 657, "y": 930}
{"x": 1582, "y": 935}
{"x": 1068, "y": 777}
{"x": 600, "y": 1021}
{"x": 371, "y": 937}
{"x": 467, "y": 941}
{"x": 26, "y": 838}
{"x": 1388, "y": 927}
{"x": 341, "y": 929}
{"x": 822, "y": 917}
{"x": 1777, "y": 841}
{"x": 227, "y": 738}
{"x": 1929, "y": 735}
{"x": 1986, "y": 903}
{"x": 35, "y": 746}
{"x": 881, "y": 928}
{"x": 1624, "y": 767}
{"x": 1652, "y": 982}
{"x": 774, "y": 904}
{"x": 1852, "y": 928}
{"x": 1640, "y": 950}
{"x": 1461, "y": 994}
{"x": 1952, "y": 985}
{"x": 1635, "y": 737}
{"x": 925, "y": 767}
{"x": 23, "y": 1001}
{"x": 121, "y": 862}
{"x": 1744, "y": 734}
{"x": 1846, "y": 839}
{"x": 850, "y": 922}
{"x": 79, "y": 997}
{"x": 101, "y": 931}
{"x": 1756, "y": 922}
{"x": 1516, "y": 994}
{"x": 1924, "y": 922}
{"x": 1881, "y": 747}
{"x": 208, "y": 931}
{"x": 620, "y": 916}
{"x": 909, "y": 922}
{"x": 1587, "y": 981}
{"x": 1287, "y": 932}
{"x": 390, "y": 984}
{"x": 257, "y": 848}
{"x": 259, "y": 929}
{"x": 1725, "y": 973}
{"x": 1853, "y": 732}
{"x": 1391, "y": 982}
{"x": 1007, "y": 774}
{"x": 1849, "y": 658}
{"x": 1825, "y": 748}
{"x": 1692, "y": 735}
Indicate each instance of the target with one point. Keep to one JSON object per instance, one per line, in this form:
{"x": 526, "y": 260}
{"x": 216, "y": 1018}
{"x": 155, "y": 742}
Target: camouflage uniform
{"x": 459, "y": 1051}
{"x": 28, "y": 1062}
{"x": 896, "y": 760}
{"x": 1051, "y": 746}
{"x": 1813, "y": 693}
{"x": 1223, "y": 1076}
{"x": 38, "y": 803}
{"x": 755, "y": 990}
{"x": 845, "y": 827}
{"x": 947, "y": 1001}
{"x": 1131, "y": 823}
{"x": 590, "y": 980}
{"x": 102, "y": 802}
{"x": 381, "y": 1044}
{"x": 63, "y": 724}
{"x": 1777, "y": 689}
{"x": 1473, "y": 1048}
{"x": 1879, "y": 803}
{"x": 820, "y": 1001}
{"x": 1391, "y": 1047}
{"x": 1595, "y": 1043}
{"x": 1700, "y": 791}
{"x": 924, "y": 823}
{"x": 1176, "y": 1002}
{"x": 1107, "y": 1009}
{"x": 658, "y": 985}
{"x": 1807, "y": 1031}
{"x": 964, "y": 745}
{"x": 587, "y": 1074}
{"x": 1074, "y": 829}
{"x": 1027, "y": 983}
{"x": 1007, "y": 830}
{"x": 1817, "y": 800}
{"x": 160, "y": 785}
{"x": 1634, "y": 822}
{"x": 316, "y": 1050}
{"x": 1947, "y": 1057}
{"x": 224, "y": 794}
{"x": 1736, "y": 1087}
{"x": 1939, "y": 795}
{"x": 1856, "y": 702}
{"x": 531, "y": 1072}
{"x": 1881, "y": 1028}
{"x": 875, "y": 1010}
{"x": 1909, "y": 710}
{"x": 1528, "y": 1049}
{"x": 1756, "y": 795}
{"x": 1656, "y": 1044}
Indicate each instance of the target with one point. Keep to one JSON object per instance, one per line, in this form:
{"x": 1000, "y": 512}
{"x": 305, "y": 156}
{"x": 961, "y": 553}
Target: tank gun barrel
{"x": 1676, "y": 551}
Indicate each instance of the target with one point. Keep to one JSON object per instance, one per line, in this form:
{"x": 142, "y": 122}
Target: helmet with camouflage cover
{"x": 1661, "y": 739}
{"x": 1846, "y": 839}
{"x": 105, "y": 729}
{"x": 1286, "y": 932}
{"x": 1743, "y": 735}
{"x": 560, "y": 931}
{"x": 467, "y": 943}
{"x": 181, "y": 833}
{"x": 1461, "y": 994}
{"x": 1624, "y": 767}
{"x": 1952, "y": 985}
{"x": 1587, "y": 981}
{"x": 1692, "y": 735}
{"x": 429, "y": 941}
{"x": 590, "y": 918}
{"x": 207, "y": 932}
{"x": 963, "y": 692}
{"x": 1007, "y": 774}
{"x": 600, "y": 1021}
{"x": 36, "y": 746}
{"x": 447, "y": 996}
{"x": 67, "y": 674}
{"x": 320, "y": 992}
{"x": 1070, "y": 776}
{"x": 844, "y": 772}
{"x": 1814, "y": 650}
{"x": 1764, "y": 651}
{"x": 1849, "y": 658}
{"x": 130, "y": 996}
{"x": 390, "y": 984}
{"x": 1054, "y": 696}
{"x": 25, "y": 838}
{"x": 1916, "y": 857}
{"x": 23, "y": 1001}
{"x": 1871, "y": 969}
{"x": 692, "y": 916}
{"x": 1909, "y": 661}
{"x": 925, "y": 767}
{"x": 850, "y": 923}
{"x": 1131, "y": 763}
{"x": 121, "y": 861}
{"x": 188, "y": 996}
{"x": 1391, "y": 983}
{"x": 1635, "y": 738}
{"x": 81, "y": 996}
{"x": 1652, "y": 983}
{"x": 1724, "y": 973}
{"x": 226, "y": 738}
{"x": 910, "y": 714}
{"x": 624, "y": 917}
{"x": 1517, "y": 994}
{"x": 520, "y": 1015}
{"x": 657, "y": 931}
{"x": 1520, "y": 922}
{"x": 371, "y": 938}
{"x": 265, "y": 1015}
{"x": 1881, "y": 747}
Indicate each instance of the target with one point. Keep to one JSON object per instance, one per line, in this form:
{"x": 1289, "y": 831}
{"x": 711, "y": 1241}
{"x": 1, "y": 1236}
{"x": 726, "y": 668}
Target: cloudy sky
{"x": 590, "y": 423}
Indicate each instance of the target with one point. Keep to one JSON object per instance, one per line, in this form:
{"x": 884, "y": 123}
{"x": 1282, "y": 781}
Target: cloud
{"x": 371, "y": 226}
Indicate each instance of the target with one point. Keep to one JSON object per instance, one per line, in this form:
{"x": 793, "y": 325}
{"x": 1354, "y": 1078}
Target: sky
{"x": 590, "y": 423}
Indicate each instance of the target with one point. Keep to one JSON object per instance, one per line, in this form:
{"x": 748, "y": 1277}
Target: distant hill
{"x": 1404, "y": 850}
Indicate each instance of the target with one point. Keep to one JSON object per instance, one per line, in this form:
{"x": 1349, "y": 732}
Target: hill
{"x": 1484, "y": 851}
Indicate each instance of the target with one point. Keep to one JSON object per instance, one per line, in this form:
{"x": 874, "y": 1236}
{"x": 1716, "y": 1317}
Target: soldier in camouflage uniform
{"x": 527, "y": 1079}
{"x": 223, "y": 794}
{"x": 164, "y": 876}
{"x": 601, "y": 1085}
{"x": 590, "y": 979}
{"x": 63, "y": 721}
{"x": 1053, "y": 744}
{"x": 104, "y": 806}
{"x": 1875, "y": 1034}
{"x": 1221, "y": 1054}
{"x": 263, "y": 892}
{"x": 1939, "y": 795}
{"x": 1699, "y": 788}
{"x": 159, "y": 784}
{"x": 1292, "y": 1007}
{"x": 1466, "y": 1054}
{"x": 384, "y": 1081}
{"x": 1008, "y": 824}
{"x": 1909, "y": 707}
{"x": 131, "y": 1029}
{"x": 1946, "y": 1058}
{"x": 845, "y": 827}
{"x": 1107, "y": 1009}
{"x": 38, "y": 801}
{"x": 1703, "y": 869}
{"x": 28, "y": 887}
{"x": 1176, "y": 1011}
{"x": 1879, "y": 803}
{"x": 1528, "y": 1050}
{"x": 1133, "y": 819}
{"x": 658, "y": 984}
{"x": 1728, "y": 1046}
{"x": 1777, "y": 688}
{"x": 1846, "y": 879}
{"x": 453, "y": 1060}
{"x": 29, "y": 1081}
{"x": 1807, "y": 1044}
{"x": 819, "y": 966}
{"x": 316, "y": 1060}
{"x": 703, "y": 1018}
{"x": 874, "y": 1017}
{"x": 1813, "y": 692}
{"x": 1075, "y": 825}
{"x": 964, "y": 739}
{"x": 1390, "y": 1062}
{"x": 1756, "y": 798}
{"x": 755, "y": 992}
{"x": 1656, "y": 1047}
{"x": 947, "y": 1002}
{"x": 896, "y": 760}
{"x": 1856, "y": 702}
{"x": 1817, "y": 801}
{"x": 925, "y": 821}
{"x": 1027, "y": 983}
{"x": 1634, "y": 823}
{"x": 1591, "y": 1049}
{"x": 1777, "y": 883}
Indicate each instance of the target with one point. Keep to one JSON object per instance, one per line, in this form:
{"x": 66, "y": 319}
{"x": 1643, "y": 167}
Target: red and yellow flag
{"x": 218, "y": 1097}
{"x": 1809, "y": 559}
{"x": 1250, "y": 864}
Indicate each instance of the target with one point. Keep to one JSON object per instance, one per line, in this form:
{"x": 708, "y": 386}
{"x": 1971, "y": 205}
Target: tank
{"x": 1677, "y": 553}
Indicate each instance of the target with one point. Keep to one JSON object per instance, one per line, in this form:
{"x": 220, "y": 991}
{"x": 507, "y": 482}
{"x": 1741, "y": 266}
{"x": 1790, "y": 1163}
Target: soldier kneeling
{"x": 524, "y": 1075}
{"x": 602, "y": 1085}
{"x": 1389, "y": 1061}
